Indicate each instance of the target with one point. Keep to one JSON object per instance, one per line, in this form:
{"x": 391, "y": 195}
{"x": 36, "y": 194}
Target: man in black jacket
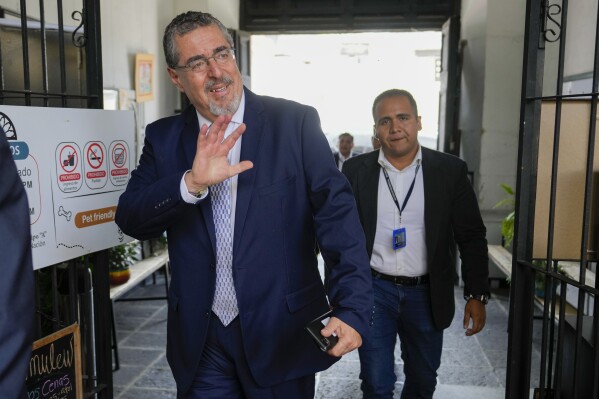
{"x": 415, "y": 204}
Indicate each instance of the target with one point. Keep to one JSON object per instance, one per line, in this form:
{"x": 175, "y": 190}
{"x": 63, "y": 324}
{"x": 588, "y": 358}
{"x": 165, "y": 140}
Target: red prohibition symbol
{"x": 119, "y": 155}
{"x": 95, "y": 155}
{"x": 68, "y": 158}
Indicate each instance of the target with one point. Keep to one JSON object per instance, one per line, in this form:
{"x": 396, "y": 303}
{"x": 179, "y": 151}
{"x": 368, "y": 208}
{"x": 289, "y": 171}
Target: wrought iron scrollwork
{"x": 551, "y": 28}
{"x": 79, "y": 39}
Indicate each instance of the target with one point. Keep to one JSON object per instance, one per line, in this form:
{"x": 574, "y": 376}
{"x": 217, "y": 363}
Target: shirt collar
{"x": 342, "y": 158}
{"x": 387, "y": 165}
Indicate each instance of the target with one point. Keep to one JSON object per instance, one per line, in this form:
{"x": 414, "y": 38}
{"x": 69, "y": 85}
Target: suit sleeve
{"x": 470, "y": 235}
{"x": 339, "y": 233}
{"x": 151, "y": 201}
{"x": 17, "y": 309}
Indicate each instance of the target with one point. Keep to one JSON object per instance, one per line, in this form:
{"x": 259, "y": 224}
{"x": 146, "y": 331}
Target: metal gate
{"x": 556, "y": 240}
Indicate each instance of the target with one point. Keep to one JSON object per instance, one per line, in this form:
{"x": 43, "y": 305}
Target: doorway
{"x": 340, "y": 74}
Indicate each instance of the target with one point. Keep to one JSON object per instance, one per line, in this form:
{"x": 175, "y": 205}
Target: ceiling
{"x": 296, "y": 16}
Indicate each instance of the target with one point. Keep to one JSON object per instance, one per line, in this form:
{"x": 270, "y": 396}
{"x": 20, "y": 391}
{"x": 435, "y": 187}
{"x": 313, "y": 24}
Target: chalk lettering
{"x": 47, "y": 363}
{"x": 50, "y": 386}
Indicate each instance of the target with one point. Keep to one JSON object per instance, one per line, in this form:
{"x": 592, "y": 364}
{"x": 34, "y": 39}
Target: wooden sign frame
{"x": 55, "y": 360}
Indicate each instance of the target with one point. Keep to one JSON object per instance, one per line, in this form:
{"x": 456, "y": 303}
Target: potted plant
{"x": 507, "y": 224}
{"x": 120, "y": 258}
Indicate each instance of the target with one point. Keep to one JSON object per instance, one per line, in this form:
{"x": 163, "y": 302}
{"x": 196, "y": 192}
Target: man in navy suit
{"x": 17, "y": 309}
{"x": 247, "y": 190}
{"x": 415, "y": 204}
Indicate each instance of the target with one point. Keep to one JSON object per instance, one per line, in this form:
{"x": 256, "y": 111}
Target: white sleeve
{"x": 185, "y": 194}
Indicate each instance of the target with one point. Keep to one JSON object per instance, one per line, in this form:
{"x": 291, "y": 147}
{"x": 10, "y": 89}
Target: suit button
{"x": 212, "y": 266}
{"x": 207, "y": 314}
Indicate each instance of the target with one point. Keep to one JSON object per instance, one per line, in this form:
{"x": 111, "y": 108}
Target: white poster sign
{"x": 74, "y": 164}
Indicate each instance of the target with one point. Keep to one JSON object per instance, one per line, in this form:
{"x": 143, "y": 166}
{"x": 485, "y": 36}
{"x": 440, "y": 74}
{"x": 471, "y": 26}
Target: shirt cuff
{"x": 186, "y": 195}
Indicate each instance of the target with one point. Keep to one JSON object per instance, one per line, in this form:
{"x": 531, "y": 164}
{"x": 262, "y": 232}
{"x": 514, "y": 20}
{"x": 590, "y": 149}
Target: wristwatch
{"x": 484, "y": 298}
{"x": 200, "y": 193}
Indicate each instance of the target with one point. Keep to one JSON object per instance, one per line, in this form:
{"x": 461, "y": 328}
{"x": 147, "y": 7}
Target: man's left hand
{"x": 349, "y": 339}
{"x": 475, "y": 311}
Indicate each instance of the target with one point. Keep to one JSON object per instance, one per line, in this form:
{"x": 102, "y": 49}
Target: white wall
{"x": 473, "y": 42}
{"x": 502, "y": 95}
{"x": 130, "y": 27}
{"x": 490, "y": 106}
{"x": 580, "y": 37}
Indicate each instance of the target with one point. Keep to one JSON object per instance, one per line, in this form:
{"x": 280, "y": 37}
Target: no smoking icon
{"x": 95, "y": 155}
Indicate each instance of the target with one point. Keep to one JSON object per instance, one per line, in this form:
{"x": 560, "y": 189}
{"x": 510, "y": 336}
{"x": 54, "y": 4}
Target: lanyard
{"x": 392, "y": 191}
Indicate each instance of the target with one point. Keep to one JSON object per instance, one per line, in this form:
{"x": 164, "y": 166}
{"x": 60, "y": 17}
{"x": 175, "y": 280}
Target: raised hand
{"x": 210, "y": 165}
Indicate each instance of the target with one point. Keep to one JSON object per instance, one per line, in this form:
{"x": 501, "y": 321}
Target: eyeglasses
{"x": 223, "y": 57}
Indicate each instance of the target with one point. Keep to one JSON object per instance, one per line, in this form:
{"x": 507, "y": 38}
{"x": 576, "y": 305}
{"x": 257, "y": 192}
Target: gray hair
{"x": 185, "y": 23}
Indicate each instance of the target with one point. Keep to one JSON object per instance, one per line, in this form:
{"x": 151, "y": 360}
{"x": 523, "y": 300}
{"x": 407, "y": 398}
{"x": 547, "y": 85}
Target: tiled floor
{"x": 471, "y": 367}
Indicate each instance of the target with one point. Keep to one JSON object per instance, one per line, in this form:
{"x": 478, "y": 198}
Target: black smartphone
{"x": 313, "y": 328}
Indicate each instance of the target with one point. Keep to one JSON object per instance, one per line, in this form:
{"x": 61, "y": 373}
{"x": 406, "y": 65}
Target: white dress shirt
{"x": 341, "y": 160}
{"x": 410, "y": 260}
{"x": 232, "y": 157}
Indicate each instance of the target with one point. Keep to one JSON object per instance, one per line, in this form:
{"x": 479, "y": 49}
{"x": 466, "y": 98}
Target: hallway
{"x": 471, "y": 367}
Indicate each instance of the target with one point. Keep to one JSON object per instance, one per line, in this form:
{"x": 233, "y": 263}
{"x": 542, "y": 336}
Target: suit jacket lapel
{"x": 432, "y": 200}
{"x": 189, "y": 134}
{"x": 250, "y": 141}
{"x": 368, "y": 197}
{"x": 189, "y": 138}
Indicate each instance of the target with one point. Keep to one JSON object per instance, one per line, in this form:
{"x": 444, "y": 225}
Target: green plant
{"x": 507, "y": 224}
{"x": 122, "y": 256}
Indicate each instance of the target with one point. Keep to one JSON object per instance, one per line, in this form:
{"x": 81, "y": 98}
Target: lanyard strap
{"x": 392, "y": 191}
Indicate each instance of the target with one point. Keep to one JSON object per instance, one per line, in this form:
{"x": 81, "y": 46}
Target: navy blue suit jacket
{"x": 293, "y": 200}
{"x": 451, "y": 215}
{"x": 17, "y": 309}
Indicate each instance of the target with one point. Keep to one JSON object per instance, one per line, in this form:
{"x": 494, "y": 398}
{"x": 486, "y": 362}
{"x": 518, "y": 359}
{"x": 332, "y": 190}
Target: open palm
{"x": 210, "y": 165}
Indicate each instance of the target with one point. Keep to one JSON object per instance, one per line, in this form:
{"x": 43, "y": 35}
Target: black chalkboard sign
{"x": 55, "y": 366}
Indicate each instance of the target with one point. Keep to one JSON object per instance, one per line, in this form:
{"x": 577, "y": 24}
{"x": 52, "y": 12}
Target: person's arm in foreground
{"x": 17, "y": 309}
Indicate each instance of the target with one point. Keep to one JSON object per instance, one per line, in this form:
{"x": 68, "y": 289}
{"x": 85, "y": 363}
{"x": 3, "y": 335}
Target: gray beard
{"x": 230, "y": 108}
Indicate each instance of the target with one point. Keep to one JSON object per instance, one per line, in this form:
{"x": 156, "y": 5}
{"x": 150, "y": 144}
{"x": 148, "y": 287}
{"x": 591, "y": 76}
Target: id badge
{"x": 399, "y": 238}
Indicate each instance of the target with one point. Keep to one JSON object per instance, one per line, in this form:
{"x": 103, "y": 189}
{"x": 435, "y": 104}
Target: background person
{"x": 17, "y": 309}
{"x": 345, "y": 145}
{"x": 243, "y": 216}
{"x": 415, "y": 204}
